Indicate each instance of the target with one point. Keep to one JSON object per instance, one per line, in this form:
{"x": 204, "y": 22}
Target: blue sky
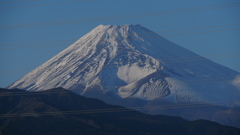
{"x": 216, "y": 23}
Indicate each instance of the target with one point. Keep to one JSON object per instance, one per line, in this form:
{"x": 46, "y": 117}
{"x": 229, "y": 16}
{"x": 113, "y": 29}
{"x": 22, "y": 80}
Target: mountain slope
{"x": 61, "y": 112}
{"x": 132, "y": 61}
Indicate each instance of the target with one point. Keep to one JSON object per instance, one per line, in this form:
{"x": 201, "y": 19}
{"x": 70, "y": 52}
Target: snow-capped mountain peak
{"x": 130, "y": 61}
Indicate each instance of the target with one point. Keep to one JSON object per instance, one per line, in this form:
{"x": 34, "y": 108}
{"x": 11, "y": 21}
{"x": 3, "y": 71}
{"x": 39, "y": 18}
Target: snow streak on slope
{"x": 132, "y": 61}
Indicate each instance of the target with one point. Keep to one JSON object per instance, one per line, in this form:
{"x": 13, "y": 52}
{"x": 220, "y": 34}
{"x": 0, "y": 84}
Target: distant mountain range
{"x": 62, "y": 112}
{"x": 132, "y": 66}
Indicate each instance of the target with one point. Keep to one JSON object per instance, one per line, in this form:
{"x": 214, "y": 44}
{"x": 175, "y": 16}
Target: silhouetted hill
{"x": 62, "y": 112}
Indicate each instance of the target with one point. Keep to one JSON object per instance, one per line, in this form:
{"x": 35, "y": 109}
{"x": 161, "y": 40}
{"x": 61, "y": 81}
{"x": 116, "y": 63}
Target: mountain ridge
{"x": 60, "y": 111}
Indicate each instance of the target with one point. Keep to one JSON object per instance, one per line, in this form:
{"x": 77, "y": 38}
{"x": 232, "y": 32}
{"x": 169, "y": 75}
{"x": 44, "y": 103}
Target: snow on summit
{"x": 130, "y": 61}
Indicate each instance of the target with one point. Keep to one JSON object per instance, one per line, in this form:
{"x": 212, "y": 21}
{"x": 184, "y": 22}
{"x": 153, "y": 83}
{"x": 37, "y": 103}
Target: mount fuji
{"x": 131, "y": 65}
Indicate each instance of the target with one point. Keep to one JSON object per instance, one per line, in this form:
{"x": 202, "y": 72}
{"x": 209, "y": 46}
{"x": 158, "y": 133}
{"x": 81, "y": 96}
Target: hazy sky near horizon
{"x": 210, "y": 28}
